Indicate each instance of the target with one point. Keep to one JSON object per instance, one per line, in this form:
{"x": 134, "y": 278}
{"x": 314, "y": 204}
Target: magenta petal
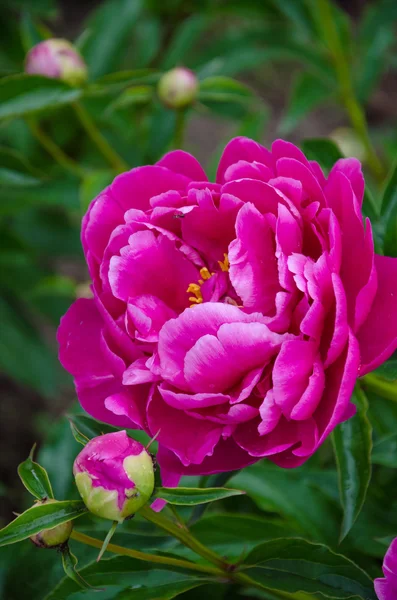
{"x": 102, "y": 218}
{"x": 227, "y": 456}
{"x": 138, "y": 373}
{"x": 217, "y": 363}
{"x": 152, "y": 265}
{"x": 135, "y": 188}
{"x": 190, "y": 439}
{"x": 253, "y": 265}
{"x": 251, "y": 170}
{"x": 351, "y": 168}
{"x": 385, "y": 590}
{"x": 179, "y": 335}
{"x": 184, "y": 401}
{"x": 291, "y": 372}
{"x": 378, "y": 336}
{"x": 242, "y": 148}
{"x": 339, "y": 384}
{"x": 184, "y": 164}
{"x": 146, "y": 315}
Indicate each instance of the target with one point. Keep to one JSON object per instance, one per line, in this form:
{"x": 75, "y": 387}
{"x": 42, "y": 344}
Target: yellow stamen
{"x": 205, "y": 274}
{"x": 194, "y": 288}
{"x": 224, "y": 265}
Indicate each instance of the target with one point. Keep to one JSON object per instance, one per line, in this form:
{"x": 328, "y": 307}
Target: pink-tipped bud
{"x": 55, "y": 537}
{"x": 114, "y": 475}
{"x": 57, "y": 59}
{"x": 178, "y": 88}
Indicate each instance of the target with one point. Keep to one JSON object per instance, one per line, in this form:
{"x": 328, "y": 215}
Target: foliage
{"x": 59, "y": 146}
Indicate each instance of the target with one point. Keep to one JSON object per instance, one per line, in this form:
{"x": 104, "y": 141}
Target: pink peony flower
{"x": 232, "y": 317}
{"x": 386, "y": 589}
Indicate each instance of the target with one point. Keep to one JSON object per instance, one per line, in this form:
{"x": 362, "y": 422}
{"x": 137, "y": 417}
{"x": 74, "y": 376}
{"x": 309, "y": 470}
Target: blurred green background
{"x": 321, "y": 75}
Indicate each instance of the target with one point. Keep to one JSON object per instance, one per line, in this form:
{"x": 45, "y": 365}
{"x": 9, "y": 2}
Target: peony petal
{"x": 378, "y": 336}
{"x": 253, "y": 265}
{"x": 190, "y": 439}
{"x": 135, "y": 188}
{"x": 183, "y": 163}
{"x": 351, "y": 168}
{"x": 242, "y": 148}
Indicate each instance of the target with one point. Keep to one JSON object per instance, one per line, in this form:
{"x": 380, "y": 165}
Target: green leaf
{"x": 117, "y": 572}
{"x": 91, "y": 428}
{"x": 385, "y": 452}
{"x": 352, "y": 442}
{"x": 184, "y": 38}
{"x": 324, "y": 151}
{"x": 39, "y": 369}
{"x": 32, "y": 31}
{"x": 192, "y": 496}
{"x": 35, "y": 478}
{"x": 308, "y": 92}
{"x": 388, "y": 370}
{"x": 69, "y": 563}
{"x": 92, "y": 184}
{"x": 294, "y": 565}
{"x": 117, "y": 81}
{"x": 232, "y": 535}
{"x": 389, "y": 213}
{"x": 224, "y": 89}
{"x": 39, "y": 517}
{"x": 165, "y": 591}
{"x": 305, "y": 497}
{"x": 389, "y": 197}
{"x": 78, "y": 436}
{"x": 111, "y": 26}
{"x": 23, "y": 95}
{"x": 138, "y": 95}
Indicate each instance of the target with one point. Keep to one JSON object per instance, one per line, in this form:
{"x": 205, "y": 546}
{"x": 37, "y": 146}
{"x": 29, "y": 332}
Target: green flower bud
{"x": 55, "y": 537}
{"x": 114, "y": 475}
{"x": 178, "y": 88}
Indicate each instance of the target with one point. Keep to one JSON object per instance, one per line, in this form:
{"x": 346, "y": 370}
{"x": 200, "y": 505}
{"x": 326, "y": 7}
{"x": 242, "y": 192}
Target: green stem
{"x": 184, "y": 536}
{"x": 96, "y": 136}
{"x": 227, "y": 576}
{"x": 354, "y": 110}
{"x": 179, "y": 128}
{"x": 54, "y": 150}
{"x": 384, "y": 388}
{"x": 152, "y": 558}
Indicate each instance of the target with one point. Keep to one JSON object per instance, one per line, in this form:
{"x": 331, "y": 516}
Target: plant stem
{"x": 184, "y": 536}
{"x": 54, "y": 150}
{"x": 354, "y": 110}
{"x": 152, "y": 558}
{"x": 384, "y": 388}
{"x": 96, "y": 136}
{"x": 179, "y": 128}
{"x": 229, "y": 576}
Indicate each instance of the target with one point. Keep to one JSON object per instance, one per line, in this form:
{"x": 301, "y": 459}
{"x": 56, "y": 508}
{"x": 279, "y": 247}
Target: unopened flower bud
{"x": 58, "y": 59}
{"x": 114, "y": 475}
{"x": 178, "y": 88}
{"x": 55, "y": 537}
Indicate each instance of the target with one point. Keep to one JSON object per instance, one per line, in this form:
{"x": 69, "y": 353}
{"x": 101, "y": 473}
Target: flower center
{"x": 195, "y": 288}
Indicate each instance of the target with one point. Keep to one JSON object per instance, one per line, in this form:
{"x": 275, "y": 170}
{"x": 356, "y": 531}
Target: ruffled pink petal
{"x": 378, "y": 336}
{"x": 209, "y": 227}
{"x": 253, "y": 266}
{"x": 351, "y": 168}
{"x": 242, "y": 148}
{"x": 102, "y": 218}
{"x": 340, "y": 379}
{"x": 217, "y": 363}
{"x": 251, "y": 170}
{"x": 154, "y": 266}
{"x": 189, "y": 438}
{"x": 183, "y": 163}
{"x": 290, "y": 167}
{"x": 179, "y": 335}
{"x": 183, "y": 401}
{"x": 145, "y": 317}
{"x": 135, "y": 188}
{"x": 262, "y": 195}
{"x": 227, "y": 456}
